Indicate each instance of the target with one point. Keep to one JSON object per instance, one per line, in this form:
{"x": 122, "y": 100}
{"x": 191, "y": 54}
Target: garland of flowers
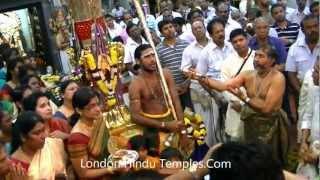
{"x": 195, "y": 127}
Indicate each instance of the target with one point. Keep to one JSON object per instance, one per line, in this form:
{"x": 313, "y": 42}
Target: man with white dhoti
{"x": 239, "y": 61}
{"x": 203, "y": 105}
{"x": 209, "y": 64}
{"x": 309, "y": 106}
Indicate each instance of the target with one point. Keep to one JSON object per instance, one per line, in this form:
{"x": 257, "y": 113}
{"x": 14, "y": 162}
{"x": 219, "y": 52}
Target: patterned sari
{"x": 59, "y": 125}
{"x": 78, "y": 143}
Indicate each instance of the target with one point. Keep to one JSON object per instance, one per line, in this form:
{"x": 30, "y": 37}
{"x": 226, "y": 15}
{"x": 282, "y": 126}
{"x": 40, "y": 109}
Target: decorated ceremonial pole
{"x": 149, "y": 38}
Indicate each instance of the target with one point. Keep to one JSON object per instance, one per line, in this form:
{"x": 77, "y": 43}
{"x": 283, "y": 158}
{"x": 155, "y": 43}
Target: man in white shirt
{"x": 302, "y": 54}
{"x": 203, "y": 105}
{"x": 194, "y": 15}
{"x": 215, "y": 52}
{"x": 300, "y": 12}
{"x": 190, "y": 55}
{"x": 209, "y": 64}
{"x": 309, "y": 107}
{"x": 113, "y": 29}
{"x": 134, "y": 40}
{"x": 223, "y": 12}
{"x": 239, "y": 61}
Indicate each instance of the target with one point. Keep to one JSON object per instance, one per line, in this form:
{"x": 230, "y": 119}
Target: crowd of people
{"x": 251, "y": 71}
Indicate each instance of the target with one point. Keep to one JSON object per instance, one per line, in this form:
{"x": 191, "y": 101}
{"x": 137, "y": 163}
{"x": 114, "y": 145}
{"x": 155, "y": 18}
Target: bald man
{"x": 262, "y": 39}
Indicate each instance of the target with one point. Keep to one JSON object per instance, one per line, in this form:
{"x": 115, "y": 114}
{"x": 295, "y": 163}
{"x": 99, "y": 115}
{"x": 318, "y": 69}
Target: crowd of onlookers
{"x": 211, "y": 38}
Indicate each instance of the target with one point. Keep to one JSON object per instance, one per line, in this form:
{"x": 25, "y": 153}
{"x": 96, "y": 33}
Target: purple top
{"x": 276, "y": 43}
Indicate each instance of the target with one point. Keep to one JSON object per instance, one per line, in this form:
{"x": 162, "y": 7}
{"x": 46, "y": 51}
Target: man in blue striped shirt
{"x": 286, "y": 30}
{"x": 170, "y": 53}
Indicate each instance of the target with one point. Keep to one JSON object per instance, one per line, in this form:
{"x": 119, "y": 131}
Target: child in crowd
{"x": 139, "y": 144}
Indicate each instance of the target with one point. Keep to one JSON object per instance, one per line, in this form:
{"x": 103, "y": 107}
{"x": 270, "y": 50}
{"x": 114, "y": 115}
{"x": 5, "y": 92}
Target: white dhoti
{"x": 207, "y": 107}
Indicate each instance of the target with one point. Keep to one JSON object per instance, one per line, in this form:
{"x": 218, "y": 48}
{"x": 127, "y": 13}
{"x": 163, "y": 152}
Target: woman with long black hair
{"x": 39, "y": 156}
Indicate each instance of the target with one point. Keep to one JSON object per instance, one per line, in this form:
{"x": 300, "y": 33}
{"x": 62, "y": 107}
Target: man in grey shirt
{"x": 170, "y": 53}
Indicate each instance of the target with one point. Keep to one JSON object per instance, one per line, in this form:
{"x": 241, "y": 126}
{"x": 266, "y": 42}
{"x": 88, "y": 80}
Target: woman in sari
{"x": 39, "y": 156}
{"x": 5, "y": 130}
{"x": 39, "y": 103}
{"x": 86, "y": 103}
{"x": 36, "y": 85}
{"x": 12, "y": 78}
{"x": 67, "y": 88}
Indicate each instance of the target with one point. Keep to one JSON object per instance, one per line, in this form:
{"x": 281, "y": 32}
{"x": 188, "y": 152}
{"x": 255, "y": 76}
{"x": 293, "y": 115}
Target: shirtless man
{"x": 147, "y": 100}
{"x": 263, "y": 118}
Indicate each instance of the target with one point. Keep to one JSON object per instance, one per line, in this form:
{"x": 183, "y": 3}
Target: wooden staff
{"x": 149, "y": 38}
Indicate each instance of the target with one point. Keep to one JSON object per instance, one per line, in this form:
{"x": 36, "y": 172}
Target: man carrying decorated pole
{"x": 148, "y": 105}
{"x": 154, "y": 102}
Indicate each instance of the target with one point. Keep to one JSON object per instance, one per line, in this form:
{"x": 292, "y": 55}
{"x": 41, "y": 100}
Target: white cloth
{"x": 202, "y": 102}
{"x": 190, "y": 55}
{"x": 273, "y": 33}
{"x": 211, "y": 12}
{"x": 289, "y": 12}
{"x": 232, "y": 64}
{"x": 174, "y": 14}
{"x": 211, "y": 59}
{"x": 207, "y": 107}
{"x": 49, "y": 161}
{"x": 309, "y": 106}
{"x": 129, "y": 49}
{"x": 234, "y": 9}
{"x": 300, "y": 59}
{"x": 187, "y": 34}
{"x": 230, "y": 26}
{"x": 116, "y": 31}
{"x": 118, "y": 12}
{"x": 243, "y": 7}
{"x": 296, "y": 16}
{"x": 309, "y": 117}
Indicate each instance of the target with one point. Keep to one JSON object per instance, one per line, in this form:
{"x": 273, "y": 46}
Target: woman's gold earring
{"x": 78, "y": 111}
